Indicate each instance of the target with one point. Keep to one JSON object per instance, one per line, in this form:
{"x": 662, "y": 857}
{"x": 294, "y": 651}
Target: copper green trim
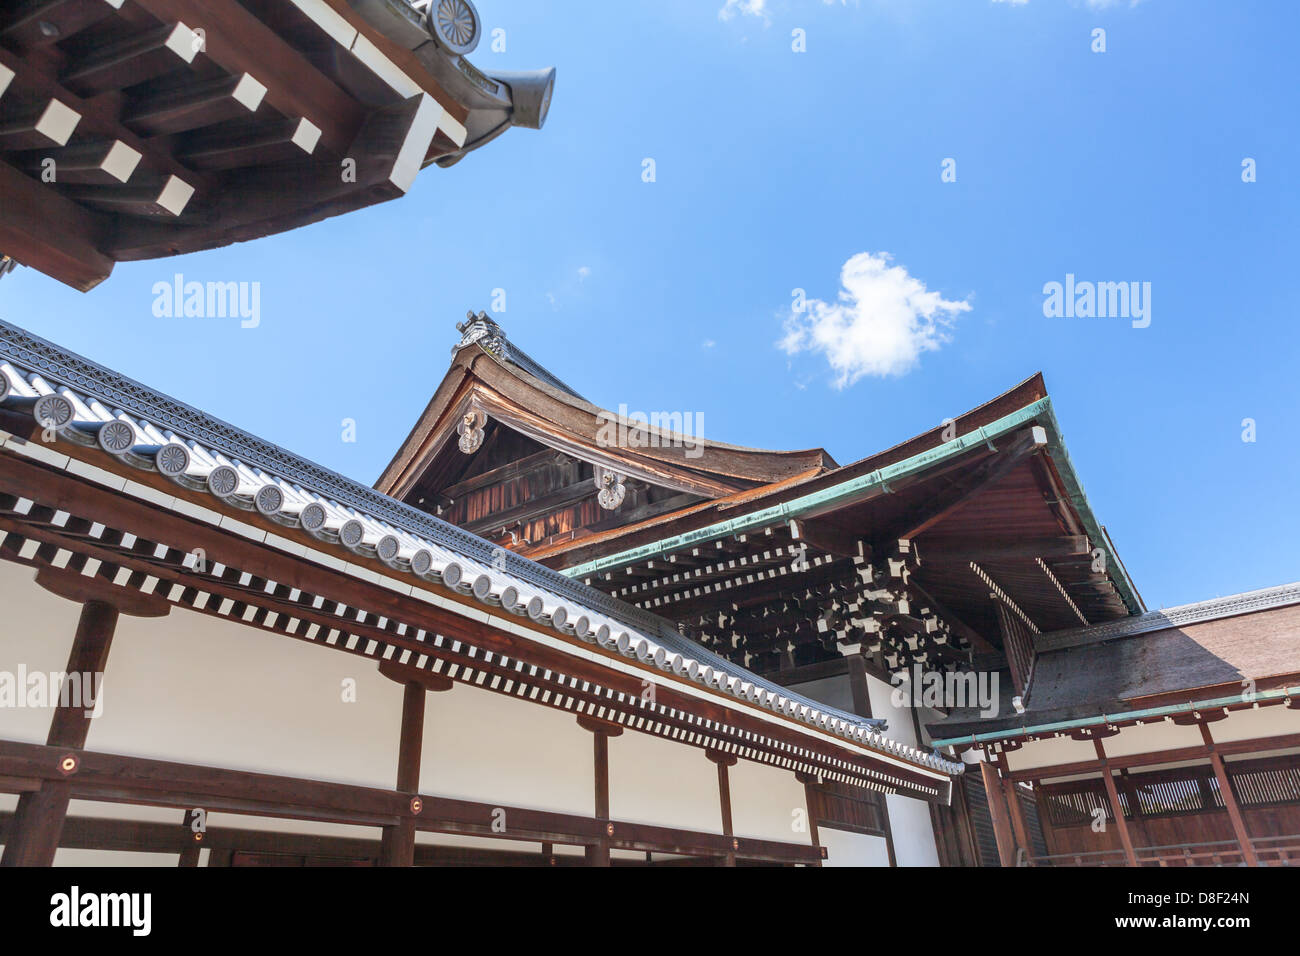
{"x": 876, "y": 483}
{"x": 1280, "y": 693}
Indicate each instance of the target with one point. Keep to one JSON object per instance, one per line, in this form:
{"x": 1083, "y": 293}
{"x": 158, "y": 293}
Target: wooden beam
{"x": 95, "y": 503}
{"x": 39, "y": 816}
{"x": 272, "y": 141}
{"x": 725, "y": 762}
{"x": 93, "y": 161}
{"x": 1018, "y": 825}
{"x": 27, "y": 25}
{"x": 1116, "y": 808}
{"x": 998, "y": 811}
{"x": 133, "y": 59}
{"x": 114, "y": 778}
{"x": 1230, "y": 800}
{"x": 203, "y": 102}
{"x": 51, "y": 233}
{"x": 50, "y": 124}
{"x": 598, "y": 852}
{"x": 949, "y": 550}
{"x": 398, "y": 844}
{"x": 239, "y": 42}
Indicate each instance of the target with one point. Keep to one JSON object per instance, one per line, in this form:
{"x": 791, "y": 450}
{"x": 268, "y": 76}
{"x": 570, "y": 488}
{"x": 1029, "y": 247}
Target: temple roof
{"x": 493, "y": 375}
{"x": 89, "y": 405}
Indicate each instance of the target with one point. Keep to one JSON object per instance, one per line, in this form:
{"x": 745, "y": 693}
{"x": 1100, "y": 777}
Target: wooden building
{"x": 1167, "y": 739}
{"x": 139, "y": 129}
{"x": 297, "y": 668}
{"x": 616, "y": 640}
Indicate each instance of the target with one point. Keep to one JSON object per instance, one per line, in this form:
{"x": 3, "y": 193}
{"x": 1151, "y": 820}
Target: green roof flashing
{"x": 878, "y": 482}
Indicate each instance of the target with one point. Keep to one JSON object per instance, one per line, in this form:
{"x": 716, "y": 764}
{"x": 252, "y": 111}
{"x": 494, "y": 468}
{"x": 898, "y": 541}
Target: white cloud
{"x": 881, "y": 322}
{"x": 583, "y": 272}
{"x": 748, "y": 8}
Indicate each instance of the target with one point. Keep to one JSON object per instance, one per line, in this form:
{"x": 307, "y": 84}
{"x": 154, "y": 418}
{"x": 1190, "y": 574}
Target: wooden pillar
{"x": 1116, "y": 808}
{"x": 397, "y": 844}
{"x": 397, "y": 847}
{"x": 724, "y": 761}
{"x": 38, "y": 818}
{"x": 1018, "y": 825}
{"x": 601, "y": 731}
{"x": 190, "y": 855}
{"x": 1230, "y": 800}
{"x": 998, "y": 811}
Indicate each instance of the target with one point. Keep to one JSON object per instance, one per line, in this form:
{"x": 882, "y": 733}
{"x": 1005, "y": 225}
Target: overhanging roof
{"x": 1196, "y": 656}
{"x": 89, "y": 405}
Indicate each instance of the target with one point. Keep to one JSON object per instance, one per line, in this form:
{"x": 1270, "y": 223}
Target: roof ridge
{"x": 478, "y": 329}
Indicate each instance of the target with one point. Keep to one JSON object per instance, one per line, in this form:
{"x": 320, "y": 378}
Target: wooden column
{"x": 1116, "y": 808}
{"x": 38, "y": 818}
{"x": 601, "y": 731}
{"x": 998, "y": 811}
{"x": 724, "y": 761}
{"x": 397, "y": 845}
{"x": 1230, "y": 800}
{"x": 1018, "y": 825}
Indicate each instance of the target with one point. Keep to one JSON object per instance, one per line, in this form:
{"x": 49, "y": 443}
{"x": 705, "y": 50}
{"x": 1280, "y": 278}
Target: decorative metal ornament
{"x": 470, "y": 431}
{"x": 454, "y": 25}
{"x": 611, "y": 490}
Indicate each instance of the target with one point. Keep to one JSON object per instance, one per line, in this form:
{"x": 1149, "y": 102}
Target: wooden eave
{"x": 562, "y": 421}
{"x": 181, "y": 125}
{"x": 108, "y": 501}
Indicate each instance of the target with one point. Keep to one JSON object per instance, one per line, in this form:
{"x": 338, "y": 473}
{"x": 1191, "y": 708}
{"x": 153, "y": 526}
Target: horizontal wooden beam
{"x": 51, "y": 233}
{"x": 964, "y": 550}
{"x": 117, "y": 778}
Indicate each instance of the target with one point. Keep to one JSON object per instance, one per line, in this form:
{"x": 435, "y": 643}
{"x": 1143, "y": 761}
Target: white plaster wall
{"x": 1051, "y": 752}
{"x": 485, "y": 746}
{"x": 768, "y": 803}
{"x": 909, "y": 818}
{"x": 846, "y": 848}
{"x": 200, "y": 690}
{"x": 656, "y": 781}
{"x": 1148, "y": 738}
{"x": 36, "y": 630}
{"x": 1271, "y": 721}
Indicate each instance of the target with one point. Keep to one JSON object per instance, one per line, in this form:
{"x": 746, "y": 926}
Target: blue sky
{"x": 775, "y": 168}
